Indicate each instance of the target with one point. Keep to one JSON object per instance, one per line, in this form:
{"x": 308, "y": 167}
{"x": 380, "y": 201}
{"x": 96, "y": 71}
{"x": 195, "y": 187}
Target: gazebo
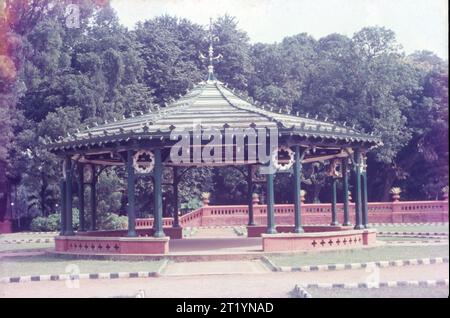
{"x": 211, "y": 125}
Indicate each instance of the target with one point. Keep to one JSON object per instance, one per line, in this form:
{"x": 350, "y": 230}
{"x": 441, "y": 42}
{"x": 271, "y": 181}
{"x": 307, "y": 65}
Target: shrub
{"x": 52, "y": 223}
{"x": 191, "y": 205}
{"x": 114, "y": 222}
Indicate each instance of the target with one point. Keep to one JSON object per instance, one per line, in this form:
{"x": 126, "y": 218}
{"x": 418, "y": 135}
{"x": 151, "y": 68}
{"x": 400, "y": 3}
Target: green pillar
{"x": 345, "y": 180}
{"x": 62, "y": 187}
{"x": 176, "y": 222}
{"x": 334, "y": 220}
{"x": 365, "y": 207}
{"x": 81, "y": 196}
{"x": 251, "y": 220}
{"x": 297, "y": 188}
{"x": 130, "y": 193}
{"x": 270, "y": 205}
{"x": 358, "y": 204}
{"x": 157, "y": 218}
{"x": 69, "y": 228}
{"x": 93, "y": 199}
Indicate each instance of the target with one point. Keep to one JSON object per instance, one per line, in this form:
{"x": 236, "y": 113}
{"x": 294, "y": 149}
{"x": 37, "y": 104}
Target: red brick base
{"x": 111, "y": 245}
{"x": 173, "y": 233}
{"x": 318, "y": 241}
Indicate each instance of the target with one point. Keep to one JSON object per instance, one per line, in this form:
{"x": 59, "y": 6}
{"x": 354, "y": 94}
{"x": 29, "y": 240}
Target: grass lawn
{"x": 382, "y": 253}
{"x": 13, "y": 247}
{"x": 384, "y": 292}
{"x": 410, "y": 239}
{"x": 21, "y": 236}
{"x": 416, "y": 229}
{"x": 41, "y": 265}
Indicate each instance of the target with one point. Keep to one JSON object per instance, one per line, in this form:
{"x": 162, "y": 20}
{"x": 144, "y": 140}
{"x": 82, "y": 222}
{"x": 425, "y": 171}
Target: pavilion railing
{"x": 317, "y": 213}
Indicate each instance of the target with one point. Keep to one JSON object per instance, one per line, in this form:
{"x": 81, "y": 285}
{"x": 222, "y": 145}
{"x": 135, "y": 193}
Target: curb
{"x": 300, "y": 292}
{"x": 399, "y": 283}
{"x": 162, "y": 267}
{"x": 334, "y": 267}
{"x": 269, "y": 264}
{"x": 27, "y": 241}
{"x": 413, "y": 233}
{"x": 31, "y": 233}
{"x": 61, "y": 277}
{"x": 409, "y": 224}
{"x": 423, "y": 243}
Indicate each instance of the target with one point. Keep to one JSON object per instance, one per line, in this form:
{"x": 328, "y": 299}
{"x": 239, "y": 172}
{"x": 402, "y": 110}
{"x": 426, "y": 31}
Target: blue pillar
{"x": 251, "y": 220}
{"x": 345, "y": 194}
{"x": 93, "y": 199}
{"x": 130, "y": 191}
{"x": 334, "y": 220}
{"x": 297, "y": 188}
{"x": 270, "y": 205}
{"x": 62, "y": 187}
{"x": 358, "y": 199}
{"x": 81, "y": 196}
{"x": 176, "y": 222}
{"x": 68, "y": 167}
{"x": 157, "y": 218}
{"x": 365, "y": 207}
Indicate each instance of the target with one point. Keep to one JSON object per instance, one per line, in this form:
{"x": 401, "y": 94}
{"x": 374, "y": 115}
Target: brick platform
{"x": 111, "y": 245}
{"x": 318, "y": 241}
{"x": 173, "y": 233}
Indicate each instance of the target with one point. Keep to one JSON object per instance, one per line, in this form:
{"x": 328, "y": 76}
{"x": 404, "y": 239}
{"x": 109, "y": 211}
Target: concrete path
{"x": 215, "y": 232}
{"x": 218, "y": 245}
{"x": 271, "y": 284}
{"x": 215, "y": 267}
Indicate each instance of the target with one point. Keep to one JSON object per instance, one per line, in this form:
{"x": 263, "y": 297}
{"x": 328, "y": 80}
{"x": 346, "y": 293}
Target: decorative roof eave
{"x": 161, "y": 135}
{"x": 159, "y": 124}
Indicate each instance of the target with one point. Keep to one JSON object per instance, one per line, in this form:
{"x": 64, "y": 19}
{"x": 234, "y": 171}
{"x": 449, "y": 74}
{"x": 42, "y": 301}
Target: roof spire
{"x": 211, "y": 56}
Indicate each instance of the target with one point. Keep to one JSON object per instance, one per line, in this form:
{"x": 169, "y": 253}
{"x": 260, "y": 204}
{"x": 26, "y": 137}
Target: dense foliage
{"x": 56, "y": 77}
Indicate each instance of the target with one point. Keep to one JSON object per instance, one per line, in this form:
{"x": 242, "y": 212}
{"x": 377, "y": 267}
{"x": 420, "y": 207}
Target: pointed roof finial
{"x": 211, "y": 56}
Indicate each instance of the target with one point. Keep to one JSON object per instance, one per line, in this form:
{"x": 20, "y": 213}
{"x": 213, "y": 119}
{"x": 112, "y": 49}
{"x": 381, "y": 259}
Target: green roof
{"x": 210, "y": 104}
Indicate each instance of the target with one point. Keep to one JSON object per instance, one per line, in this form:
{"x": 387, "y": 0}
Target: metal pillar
{"x": 251, "y": 220}
{"x": 297, "y": 188}
{"x": 130, "y": 193}
{"x": 62, "y": 187}
{"x": 334, "y": 220}
{"x": 345, "y": 180}
{"x": 270, "y": 205}
{"x": 93, "y": 200}
{"x": 81, "y": 196}
{"x": 68, "y": 167}
{"x": 365, "y": 207}
{"x": 176, "y": 222}
{"x": 157, "y": 218}
{"x": 358, "y": 204}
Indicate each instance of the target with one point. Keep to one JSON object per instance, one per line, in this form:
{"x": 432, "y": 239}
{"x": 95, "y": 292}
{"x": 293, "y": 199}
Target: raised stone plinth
{"x": 318, "y": 241}
{"x": 111, "y": 245}
{"x": 173, "y": 232}
{"x": 258, "y": 230}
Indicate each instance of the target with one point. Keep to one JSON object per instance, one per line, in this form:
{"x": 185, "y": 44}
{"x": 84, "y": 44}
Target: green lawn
{"x": 411, "y": 239}
{"x": 19, "y": 236}
{"x": 41, "y": 265}
{"x": 416, "y": 229}
{"x": 383, "y": 292}
{"x": 382, "y": 253}
{"x": 13, "y": 247}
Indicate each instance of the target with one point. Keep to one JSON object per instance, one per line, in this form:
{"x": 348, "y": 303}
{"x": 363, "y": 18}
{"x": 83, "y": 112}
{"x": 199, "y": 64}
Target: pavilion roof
{"x": 210, "y": 104}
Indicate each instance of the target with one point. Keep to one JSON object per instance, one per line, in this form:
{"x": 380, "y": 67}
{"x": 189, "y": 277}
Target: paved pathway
{"x": 215, "y": 267}
{"x": 215, "y": 232}
{"x": 222, "y": 286}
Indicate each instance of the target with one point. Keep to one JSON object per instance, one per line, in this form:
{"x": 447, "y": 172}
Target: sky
{"x": 418, "y": 24}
